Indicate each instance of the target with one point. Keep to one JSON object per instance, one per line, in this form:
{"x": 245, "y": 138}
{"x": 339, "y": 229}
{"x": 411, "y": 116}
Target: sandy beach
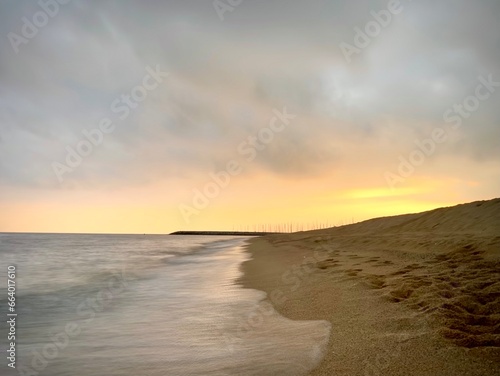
{"x": 415, "y": 294}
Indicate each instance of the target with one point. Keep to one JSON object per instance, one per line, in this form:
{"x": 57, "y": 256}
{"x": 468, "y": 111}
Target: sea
{"x": 142, "y": 305}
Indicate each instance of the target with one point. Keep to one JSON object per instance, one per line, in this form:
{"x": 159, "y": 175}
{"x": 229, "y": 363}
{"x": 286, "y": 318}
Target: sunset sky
{"x": 156, "y": 116}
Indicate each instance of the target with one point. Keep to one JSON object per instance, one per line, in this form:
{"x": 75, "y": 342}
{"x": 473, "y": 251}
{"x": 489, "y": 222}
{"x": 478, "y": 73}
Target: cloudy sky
{"x": 153, "y": 116}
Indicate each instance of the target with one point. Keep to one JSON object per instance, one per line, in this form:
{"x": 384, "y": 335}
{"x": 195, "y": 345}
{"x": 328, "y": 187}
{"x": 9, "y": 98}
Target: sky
{"x": 156, "y": 116}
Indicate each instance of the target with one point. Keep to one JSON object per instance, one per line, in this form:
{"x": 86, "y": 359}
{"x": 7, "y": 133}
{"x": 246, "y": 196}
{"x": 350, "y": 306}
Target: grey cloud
{"x": 227, "y": 76}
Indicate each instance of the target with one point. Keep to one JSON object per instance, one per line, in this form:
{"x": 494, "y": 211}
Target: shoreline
{"x": 401, "y": 299}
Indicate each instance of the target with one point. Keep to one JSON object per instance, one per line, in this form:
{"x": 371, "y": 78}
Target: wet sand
{"x": 416, "y": 294}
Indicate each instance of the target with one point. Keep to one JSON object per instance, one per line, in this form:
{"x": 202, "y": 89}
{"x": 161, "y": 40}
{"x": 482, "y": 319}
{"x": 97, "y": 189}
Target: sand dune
{"x": 433, "y": 277}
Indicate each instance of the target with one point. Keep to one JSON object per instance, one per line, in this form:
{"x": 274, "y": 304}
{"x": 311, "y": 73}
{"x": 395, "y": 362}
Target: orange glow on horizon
{"x": 232, "y": 212}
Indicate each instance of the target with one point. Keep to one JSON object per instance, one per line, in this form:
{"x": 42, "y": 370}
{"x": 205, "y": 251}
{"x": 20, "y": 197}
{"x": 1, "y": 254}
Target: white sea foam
{"x": 150, "y": 305}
